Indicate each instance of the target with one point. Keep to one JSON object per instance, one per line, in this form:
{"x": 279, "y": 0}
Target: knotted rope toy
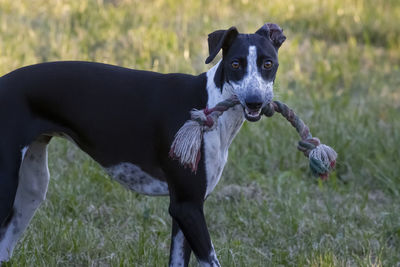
{"x": 187, "y": 142}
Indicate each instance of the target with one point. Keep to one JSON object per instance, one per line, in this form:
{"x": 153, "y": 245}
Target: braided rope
{"x": 187, "y": 142}
{"x": 322, "y": 157}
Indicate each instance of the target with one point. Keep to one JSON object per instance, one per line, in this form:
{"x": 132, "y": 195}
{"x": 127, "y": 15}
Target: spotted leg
{"x": 8, "y": 188}
{"x": 191, "y": 221}
{"x": 180, "y": 248}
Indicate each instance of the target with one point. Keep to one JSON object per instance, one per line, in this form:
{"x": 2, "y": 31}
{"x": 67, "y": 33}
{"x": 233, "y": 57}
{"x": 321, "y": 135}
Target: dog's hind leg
{"x": 10, "y": 161}
{"x": 8, "y": 188}
{"x": 31, "y": 191}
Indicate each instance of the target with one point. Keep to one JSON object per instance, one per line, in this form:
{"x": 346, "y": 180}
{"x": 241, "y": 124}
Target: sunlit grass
{"x": 339, "y": 70}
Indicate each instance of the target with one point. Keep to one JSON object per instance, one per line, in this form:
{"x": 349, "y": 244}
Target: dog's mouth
{"x": 251, "y": 114}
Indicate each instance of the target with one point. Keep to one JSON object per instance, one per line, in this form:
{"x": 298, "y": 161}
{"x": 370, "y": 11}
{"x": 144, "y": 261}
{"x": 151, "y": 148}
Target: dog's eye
{"x": 235, "y": 64}
{"x": 267, "y": 64}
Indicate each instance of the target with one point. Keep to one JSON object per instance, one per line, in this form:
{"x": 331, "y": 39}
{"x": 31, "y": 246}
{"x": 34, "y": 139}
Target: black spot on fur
{"x": 122, "y": 177}
{"x": 16, "y": 230}
{"x": 157, "y": 189}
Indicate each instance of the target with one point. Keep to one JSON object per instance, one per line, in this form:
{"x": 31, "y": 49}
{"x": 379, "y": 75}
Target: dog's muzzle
{"x": 253, "y": 97}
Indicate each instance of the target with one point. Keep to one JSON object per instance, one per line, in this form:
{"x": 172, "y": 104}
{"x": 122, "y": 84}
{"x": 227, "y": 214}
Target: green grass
{"x": 340, "y": 71}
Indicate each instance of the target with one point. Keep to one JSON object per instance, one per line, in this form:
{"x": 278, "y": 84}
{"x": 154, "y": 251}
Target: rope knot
{"x": 322, "y": 157}
{"x": 322, "y": 160}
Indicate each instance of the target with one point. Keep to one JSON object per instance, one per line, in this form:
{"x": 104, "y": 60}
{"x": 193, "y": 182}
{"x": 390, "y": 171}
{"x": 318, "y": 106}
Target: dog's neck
{"x": 230, "y": 122}
{"x": 218, "y": 140}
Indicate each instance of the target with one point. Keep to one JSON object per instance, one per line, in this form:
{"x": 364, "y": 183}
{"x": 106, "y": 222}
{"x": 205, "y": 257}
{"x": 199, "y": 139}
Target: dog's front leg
{"x": 190, "y": 219}
{"x": 180, "y": 248}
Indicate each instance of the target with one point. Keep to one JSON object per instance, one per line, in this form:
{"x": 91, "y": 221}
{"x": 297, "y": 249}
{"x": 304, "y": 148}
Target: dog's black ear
{"x": 274, "y": 33}
{"x": 220, "y": 39}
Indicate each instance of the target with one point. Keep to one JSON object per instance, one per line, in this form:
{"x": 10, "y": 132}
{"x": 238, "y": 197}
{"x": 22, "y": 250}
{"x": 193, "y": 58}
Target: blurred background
{"x": 339, "y": 70}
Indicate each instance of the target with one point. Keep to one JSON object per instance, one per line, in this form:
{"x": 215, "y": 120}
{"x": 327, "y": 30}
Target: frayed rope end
{"x": 187, "y": 144}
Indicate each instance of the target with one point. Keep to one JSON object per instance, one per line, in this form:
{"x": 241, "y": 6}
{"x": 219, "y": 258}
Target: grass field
{"x": 340, "y": 71}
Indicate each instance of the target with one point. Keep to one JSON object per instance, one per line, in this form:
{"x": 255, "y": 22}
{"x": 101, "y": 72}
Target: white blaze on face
{"x": 253, "y": 83}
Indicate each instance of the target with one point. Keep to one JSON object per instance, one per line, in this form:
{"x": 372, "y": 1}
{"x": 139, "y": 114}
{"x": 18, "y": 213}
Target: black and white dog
{"x": 126, "y": 120}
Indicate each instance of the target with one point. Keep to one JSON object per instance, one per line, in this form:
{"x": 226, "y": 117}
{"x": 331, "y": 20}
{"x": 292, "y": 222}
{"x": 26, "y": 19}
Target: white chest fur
{"x": 217, "y": 141}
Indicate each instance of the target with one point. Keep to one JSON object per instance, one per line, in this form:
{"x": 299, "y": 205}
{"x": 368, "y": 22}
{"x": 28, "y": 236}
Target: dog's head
{"x": 249, "y": 64}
